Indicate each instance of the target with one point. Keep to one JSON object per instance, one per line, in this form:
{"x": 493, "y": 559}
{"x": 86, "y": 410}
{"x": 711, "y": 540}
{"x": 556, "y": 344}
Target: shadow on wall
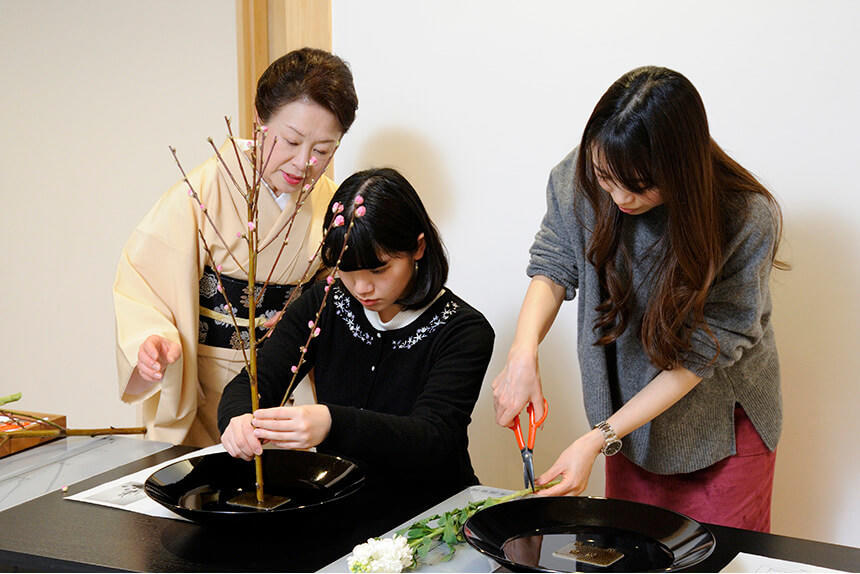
{"x": 418, "y": 161}
{"x": 816, "y": 319}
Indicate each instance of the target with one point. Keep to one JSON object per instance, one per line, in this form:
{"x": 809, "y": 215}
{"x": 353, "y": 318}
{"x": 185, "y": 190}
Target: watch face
{"x": 612, "y": 447}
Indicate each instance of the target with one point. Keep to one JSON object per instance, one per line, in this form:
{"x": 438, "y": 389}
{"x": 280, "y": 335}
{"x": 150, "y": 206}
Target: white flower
{"x": 381, "y": 555}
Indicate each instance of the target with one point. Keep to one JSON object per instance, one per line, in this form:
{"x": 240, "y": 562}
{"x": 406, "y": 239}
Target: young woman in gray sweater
{"x": 669, "y": 244}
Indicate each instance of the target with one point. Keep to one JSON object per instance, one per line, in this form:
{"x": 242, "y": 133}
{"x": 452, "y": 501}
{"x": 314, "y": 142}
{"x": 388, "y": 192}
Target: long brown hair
{"x": 650, "y": 131}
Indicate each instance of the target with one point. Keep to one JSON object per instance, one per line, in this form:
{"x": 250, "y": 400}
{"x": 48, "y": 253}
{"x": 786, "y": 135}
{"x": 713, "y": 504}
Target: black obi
{"x": 216, "y": 328}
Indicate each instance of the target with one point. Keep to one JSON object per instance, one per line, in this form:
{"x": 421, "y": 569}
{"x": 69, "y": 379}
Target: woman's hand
{"x": 573, "y": 466}
{"x": 154, "y": 355}
{"x": 518, "y": 385}
{"x": 299, "y": 427}
{"x": 519, "y": 382}
{"x": 239, "y": 440}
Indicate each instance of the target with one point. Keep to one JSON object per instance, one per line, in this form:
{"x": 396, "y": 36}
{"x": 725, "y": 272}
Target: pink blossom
{"x": 339, "y": 207}
{"x": 326, "y": 288}
{"x": 338, "y": 221}
{"x": 294, "y": 369}
{"x": 251, "y": 225}
{"x": 359, "y": 200}
{"x": 336, "y": 207}
{"x": 218, "y": 288}
{"x": 360, "y": 211}
{"x": 190, "y": 192}
{"x": 310, "y": 324}
{"x": 312, "y": 161}
{"x": 264, "y": 129}
{"x": 202, "y": 207}
{"x": 329, "y": 279}
{"x": 218, "y": 267}
{"x": 239, "y": 234}
{"x": 316, "y": 332}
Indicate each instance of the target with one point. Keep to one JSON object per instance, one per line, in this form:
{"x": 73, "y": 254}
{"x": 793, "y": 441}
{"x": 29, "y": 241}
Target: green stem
{"x": 10, "y": 398}
{"x": 486, "y": 503}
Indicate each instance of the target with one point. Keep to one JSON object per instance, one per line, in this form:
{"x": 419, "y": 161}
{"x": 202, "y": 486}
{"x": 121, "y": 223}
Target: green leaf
{"x": 449, "y": 535}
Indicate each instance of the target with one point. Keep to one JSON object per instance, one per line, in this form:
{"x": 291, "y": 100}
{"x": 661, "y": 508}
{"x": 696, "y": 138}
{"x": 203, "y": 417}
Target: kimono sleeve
{"x": 156, "y": 293}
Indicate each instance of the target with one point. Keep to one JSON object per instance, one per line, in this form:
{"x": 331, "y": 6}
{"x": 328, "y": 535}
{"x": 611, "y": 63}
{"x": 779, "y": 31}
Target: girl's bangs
{"x": 623, "y": 161}
{"x": 362, "y": 252}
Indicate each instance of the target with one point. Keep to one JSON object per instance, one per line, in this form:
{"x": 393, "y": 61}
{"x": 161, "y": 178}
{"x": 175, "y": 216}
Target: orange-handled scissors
{"x": 527, "y": 449}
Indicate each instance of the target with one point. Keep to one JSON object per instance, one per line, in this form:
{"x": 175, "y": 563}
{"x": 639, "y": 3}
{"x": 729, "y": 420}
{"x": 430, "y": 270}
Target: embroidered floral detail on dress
{"x": 208, "y": 285}
{"x": 240, "y": 343}
{"x": 341, "y": 304}
{"x": 224, "y": 310}
{"x": 422, "y": 333}
{"x": 202, "y": 331}
{"x": 257, "y": 300}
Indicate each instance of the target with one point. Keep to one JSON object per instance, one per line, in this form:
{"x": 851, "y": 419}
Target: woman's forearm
{"x": 540, "y": 307}
{"x": 664, "y": 390}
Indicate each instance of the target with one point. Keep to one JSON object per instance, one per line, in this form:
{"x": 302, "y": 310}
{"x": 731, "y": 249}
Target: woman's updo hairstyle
{"x": 312, "y": 74}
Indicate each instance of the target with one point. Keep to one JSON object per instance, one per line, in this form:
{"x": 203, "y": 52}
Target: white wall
{"x": 92, "y": 92}
{"x": 476, "y": 101}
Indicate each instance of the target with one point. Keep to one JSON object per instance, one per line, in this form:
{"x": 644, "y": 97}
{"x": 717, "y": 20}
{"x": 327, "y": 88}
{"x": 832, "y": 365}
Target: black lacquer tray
{"x": 202, "y": 488}
{"x": 584, "y": 534}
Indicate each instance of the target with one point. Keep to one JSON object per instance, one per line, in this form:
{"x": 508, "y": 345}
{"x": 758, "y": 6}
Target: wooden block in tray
{"x": 14, "y": 445}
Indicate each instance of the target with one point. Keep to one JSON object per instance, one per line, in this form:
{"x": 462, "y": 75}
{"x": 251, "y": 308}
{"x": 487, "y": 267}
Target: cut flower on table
{"x": 410, "y": 546}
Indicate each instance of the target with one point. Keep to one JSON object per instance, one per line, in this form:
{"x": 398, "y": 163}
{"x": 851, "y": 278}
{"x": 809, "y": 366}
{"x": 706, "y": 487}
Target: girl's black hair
{"x": 393, "y": 220}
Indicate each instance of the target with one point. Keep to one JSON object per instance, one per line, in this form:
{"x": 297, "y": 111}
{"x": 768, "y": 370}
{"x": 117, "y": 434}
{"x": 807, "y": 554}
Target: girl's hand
{"x": 239, "y": 440}
{"x": 154, "y": 355}
{"x": 299, "y": 427}
{"x": 573, "y": 466}
{"x": 518, "y": 385}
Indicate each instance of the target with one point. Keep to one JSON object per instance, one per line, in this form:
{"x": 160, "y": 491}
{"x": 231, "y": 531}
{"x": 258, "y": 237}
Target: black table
{"x": 50, "y": 534}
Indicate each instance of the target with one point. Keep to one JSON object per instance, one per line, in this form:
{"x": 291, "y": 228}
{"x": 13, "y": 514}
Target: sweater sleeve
{"x": 423, "y": 440}
{"x": 275, "y": 360}
{"x": 553, "y": 244}
{"x": 738, "y": 306}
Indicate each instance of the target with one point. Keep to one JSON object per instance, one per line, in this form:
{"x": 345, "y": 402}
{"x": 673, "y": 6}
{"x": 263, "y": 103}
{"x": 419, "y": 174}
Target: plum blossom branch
{"x": 313, "y": 324}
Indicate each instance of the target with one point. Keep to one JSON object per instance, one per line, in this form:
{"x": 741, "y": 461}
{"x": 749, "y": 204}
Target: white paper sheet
{"x": 744, "y": 562}
{"x": 126, "y": 493}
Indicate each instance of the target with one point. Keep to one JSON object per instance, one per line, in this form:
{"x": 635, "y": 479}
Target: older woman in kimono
{"x": 176, "y": 344}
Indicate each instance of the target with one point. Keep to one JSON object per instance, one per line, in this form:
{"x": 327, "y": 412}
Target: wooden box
{"x": 14, "y": 445}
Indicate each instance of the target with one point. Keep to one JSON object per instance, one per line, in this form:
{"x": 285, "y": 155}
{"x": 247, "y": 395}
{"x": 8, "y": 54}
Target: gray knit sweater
{"x": 698, "y": 430}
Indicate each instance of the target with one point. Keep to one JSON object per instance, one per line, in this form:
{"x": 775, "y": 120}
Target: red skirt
{"x": 735, "y": 491}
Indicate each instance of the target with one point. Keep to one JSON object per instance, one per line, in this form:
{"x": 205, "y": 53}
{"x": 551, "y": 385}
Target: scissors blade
{"x": 528, "y": 469}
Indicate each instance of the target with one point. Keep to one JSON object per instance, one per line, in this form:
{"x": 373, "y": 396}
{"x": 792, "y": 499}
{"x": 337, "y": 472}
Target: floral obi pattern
{"x": 216, "y": 328}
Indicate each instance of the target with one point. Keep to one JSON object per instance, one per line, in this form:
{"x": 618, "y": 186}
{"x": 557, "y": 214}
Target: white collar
{"x": 402, "y": 319}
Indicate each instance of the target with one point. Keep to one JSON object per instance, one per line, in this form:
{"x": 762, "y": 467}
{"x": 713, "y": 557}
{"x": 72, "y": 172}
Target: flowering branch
{"x": 193, "y": 194}
{"x": 337, "y": 221}
{"x": 250, "y": 192}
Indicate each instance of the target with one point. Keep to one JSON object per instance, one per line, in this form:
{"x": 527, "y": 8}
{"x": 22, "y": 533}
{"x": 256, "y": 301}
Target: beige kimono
{"x": 157, "y": 289}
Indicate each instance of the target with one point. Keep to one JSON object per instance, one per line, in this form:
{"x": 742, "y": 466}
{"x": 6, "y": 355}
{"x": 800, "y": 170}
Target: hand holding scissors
{"x": 527, "y": 448}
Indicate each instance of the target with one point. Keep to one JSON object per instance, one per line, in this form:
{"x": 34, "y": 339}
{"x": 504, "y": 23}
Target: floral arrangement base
{"x": 204, "y": 488}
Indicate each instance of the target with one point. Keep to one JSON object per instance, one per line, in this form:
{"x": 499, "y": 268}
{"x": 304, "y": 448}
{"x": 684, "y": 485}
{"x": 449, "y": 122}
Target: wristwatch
{"x": 611, "y": 442}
